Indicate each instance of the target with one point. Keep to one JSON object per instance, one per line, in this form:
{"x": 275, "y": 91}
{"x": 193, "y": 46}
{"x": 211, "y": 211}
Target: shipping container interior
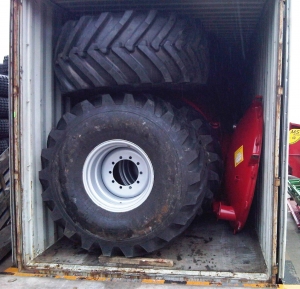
{"x": 244, "y": 39}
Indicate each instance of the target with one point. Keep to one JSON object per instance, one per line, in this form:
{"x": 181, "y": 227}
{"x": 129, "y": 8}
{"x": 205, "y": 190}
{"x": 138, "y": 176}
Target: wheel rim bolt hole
{"x": 130, "y": 158}
{"x": 120, "y": 187}
{"x": 137, "y": 163}
{"x": 125, "y": 172}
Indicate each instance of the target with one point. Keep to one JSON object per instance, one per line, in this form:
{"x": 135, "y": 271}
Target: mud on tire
{"x": 212, "y": 149}
{"x": 96, "y": 132}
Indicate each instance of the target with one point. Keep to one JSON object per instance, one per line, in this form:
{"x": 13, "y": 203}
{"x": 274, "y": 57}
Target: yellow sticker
{"x": 238, "y": 156}
{"x": 294, "y": 135}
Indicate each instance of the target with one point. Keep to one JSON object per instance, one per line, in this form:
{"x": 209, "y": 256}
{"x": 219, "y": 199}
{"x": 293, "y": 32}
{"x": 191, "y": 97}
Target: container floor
{"x": 207, "y": 245}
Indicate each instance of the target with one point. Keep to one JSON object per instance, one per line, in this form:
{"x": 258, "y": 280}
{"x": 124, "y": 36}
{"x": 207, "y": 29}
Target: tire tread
{"x": 130, "y": 48}
{"x": 193, "y": 154}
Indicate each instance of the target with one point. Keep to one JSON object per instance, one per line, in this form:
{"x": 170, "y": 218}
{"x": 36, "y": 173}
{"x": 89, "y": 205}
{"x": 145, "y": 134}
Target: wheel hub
{"x": 118, "y": 176}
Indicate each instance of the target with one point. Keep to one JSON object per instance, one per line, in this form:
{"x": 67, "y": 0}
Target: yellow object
{"x": 238, "y": 156}
{"x": 294, "y": 135}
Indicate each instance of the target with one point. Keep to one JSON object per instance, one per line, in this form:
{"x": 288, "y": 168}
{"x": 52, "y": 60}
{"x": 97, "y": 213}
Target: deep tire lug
{"x": 197, "y": 123}
{"x": 54, "y": 137}
{"x": 107, "y": 100}
{"x": 86, "y": 243}
{"x": 56, "y": 214}
{"x": 69, "y": 230}
{"x": 129, "y": 99}
{"x": 149, "y": 106}
{"x": 154, "y": 244}
{"x": 83, "y": 107}
{"x": 65, "y": 120}
{"x": 168, "y": 117}
{"x": 109, "y": 119}
{"x": 46, "y": 195}
{"x": 106, "y": 249}
{"x": 123, "y": 57}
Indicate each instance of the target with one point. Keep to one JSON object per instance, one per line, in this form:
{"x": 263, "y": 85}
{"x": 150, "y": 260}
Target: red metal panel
{"x": 241, "y": 169}
{"x": 294, "y": 150}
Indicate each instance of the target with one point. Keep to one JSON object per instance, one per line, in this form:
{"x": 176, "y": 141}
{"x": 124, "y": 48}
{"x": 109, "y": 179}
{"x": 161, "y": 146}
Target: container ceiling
{"x": 232, "y": 20}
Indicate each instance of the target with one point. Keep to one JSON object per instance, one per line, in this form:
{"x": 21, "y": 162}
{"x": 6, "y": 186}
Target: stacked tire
{"x": 131, "y": 49}
{"x": 4, "y": 66}
{"x": 4, "y": 124}
{"x": 124, "y": 172}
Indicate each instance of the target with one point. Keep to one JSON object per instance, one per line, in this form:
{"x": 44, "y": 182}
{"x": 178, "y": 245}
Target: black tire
{"x": 4, "y": 128}
{"x": 4, "y": 66}
{"x": 4, "y": 143}
{"x": 3, "y": 107}
{"x": 212, "y": 148}
{"x": 178, "y": 162}
{"x": 130, "y": 48}
{"x": 2, "y": 69}
{"x": 3, "y": 86}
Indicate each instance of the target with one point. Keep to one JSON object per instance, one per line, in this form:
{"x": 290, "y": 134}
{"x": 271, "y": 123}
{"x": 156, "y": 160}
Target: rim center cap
{"x": 124, "y": 173}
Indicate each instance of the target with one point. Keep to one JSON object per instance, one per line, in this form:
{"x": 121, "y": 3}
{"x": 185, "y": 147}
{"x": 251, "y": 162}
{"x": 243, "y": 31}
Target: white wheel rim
{"x": 118, "y": 175}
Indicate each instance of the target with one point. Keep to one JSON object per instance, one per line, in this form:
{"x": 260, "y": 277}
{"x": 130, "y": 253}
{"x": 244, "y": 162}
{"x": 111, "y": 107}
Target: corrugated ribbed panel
{"x": 265, "y": 73}
{"x": 231, "y": 20}
{"x": 38, "y": 114}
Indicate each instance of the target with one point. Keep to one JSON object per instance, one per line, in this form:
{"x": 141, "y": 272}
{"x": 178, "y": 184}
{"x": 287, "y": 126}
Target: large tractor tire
{"x": 125, "y": 174}
{"x": 4, "y": 128}
{"x": 4, "y": 66}
{"x": 4, "y": 143}
{"x": 3, "y": 86}
{"x": 3, "y": 107}
{"x": 4, "y": 123}
{"x": 214, "y": 164}
{"x": 130, "y": 49}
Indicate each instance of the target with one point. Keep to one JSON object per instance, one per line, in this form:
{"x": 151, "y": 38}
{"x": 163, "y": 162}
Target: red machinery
{"x": 241, "y": 168}
{"x": 294, "y": 150}
{"x": 294, "y": 172}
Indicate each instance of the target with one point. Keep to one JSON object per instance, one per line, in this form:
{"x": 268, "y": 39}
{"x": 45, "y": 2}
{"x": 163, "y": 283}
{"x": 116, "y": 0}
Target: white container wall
{"x": 38, "y": 110}
{"x": 265, "y": 82}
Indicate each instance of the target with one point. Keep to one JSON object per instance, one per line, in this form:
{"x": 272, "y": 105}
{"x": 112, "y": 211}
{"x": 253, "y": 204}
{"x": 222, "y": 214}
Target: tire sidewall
{"x": 149, "y": 132}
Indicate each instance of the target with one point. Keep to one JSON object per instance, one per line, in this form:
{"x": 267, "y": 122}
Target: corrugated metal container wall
{"x": 37, "y": 104}
{"x": 37, "y": 110}
{"x": 265, "y": 82}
